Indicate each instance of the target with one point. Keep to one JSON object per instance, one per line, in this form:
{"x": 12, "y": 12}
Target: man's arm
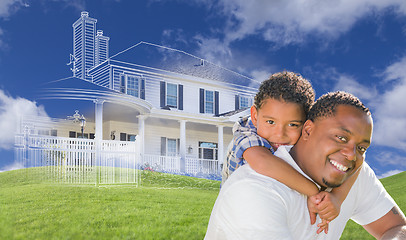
{"x": 391, "y": 226}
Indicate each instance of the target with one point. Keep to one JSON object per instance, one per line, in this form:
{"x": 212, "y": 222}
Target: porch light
{"x": 77, "y": 118}
{"x": 190, "y": 149}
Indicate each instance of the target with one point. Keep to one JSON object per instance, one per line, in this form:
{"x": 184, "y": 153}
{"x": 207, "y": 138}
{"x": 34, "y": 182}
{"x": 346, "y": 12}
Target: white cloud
{"x": 389, "y": 108}
{"x": 13, "y": 166}
{"x": 8, "y": 7}
{"x": 11, "y": 111}
{"x": 349, "y": 84}
{"x": 286, "y": 22}
{"x": 389, "y": 173}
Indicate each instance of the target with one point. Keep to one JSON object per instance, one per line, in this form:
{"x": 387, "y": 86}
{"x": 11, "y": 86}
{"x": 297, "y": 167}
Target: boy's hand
{"x": 312, "y": 202}
{"x": 326, "y": 205}
{"x": 323, "y": 226}
{"x": 329, "y": 207}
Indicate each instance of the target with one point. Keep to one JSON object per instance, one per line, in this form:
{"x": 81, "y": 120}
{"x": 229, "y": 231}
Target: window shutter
{"x": 180, "y": 97}
{"x": 237, "y": 102}
{"x": 216, "y": 103}
{"x": 163, "y": 146}
{"x": 201, "y": 100}
{"x": 162, "y": 94}
{"x": 142, "y": 88}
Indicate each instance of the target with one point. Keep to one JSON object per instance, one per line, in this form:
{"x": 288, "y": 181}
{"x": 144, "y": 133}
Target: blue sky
{"x": 357, "y": 46}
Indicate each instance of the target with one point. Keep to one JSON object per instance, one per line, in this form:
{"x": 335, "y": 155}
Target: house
{"x": 179, "y": 109}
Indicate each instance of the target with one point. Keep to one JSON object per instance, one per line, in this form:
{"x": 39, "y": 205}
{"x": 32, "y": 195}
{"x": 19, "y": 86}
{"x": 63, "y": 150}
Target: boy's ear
{"x": 254, "y": 115}
{"x": 307, "y": 129}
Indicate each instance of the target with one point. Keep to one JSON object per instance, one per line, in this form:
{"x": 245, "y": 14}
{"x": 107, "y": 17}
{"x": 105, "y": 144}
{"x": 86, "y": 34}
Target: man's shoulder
{"x": 246, "y": 178}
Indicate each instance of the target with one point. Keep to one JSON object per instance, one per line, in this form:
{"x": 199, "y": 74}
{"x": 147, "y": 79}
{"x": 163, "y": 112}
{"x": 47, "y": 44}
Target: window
{"x": 208, "y": 150}
{"x": 209, "y": 102}
{"x": 171, "y": 147}
{"x": 54, "y": 132}
{"x": 171, "y": 95}
{"x": 72, "y": 134}
{"x": 244, "y": 102}
{"x": 127, "y": 137}
{"x": 43, "y": 132}
{"x": 131, "y": 85}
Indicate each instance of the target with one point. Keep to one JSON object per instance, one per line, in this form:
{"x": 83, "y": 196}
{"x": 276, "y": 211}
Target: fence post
{"x": 98, "y": 137}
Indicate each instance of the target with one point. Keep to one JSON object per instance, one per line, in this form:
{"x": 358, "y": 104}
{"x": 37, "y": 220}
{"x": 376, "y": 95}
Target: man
{"x": 332, "y": 148}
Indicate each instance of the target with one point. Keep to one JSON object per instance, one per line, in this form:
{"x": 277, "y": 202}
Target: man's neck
{"x": 299, "y": 154}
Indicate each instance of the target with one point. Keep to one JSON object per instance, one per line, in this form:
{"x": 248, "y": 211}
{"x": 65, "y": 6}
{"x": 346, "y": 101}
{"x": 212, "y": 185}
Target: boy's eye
{"x": 270, "y": 121}
{"x": 293, "y": 125}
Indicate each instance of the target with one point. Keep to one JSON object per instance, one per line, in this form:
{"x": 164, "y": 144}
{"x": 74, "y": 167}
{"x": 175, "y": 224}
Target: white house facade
{"x": 176, "y": 109}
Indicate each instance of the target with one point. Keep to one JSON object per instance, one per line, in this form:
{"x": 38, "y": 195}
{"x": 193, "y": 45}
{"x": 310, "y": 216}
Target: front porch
{"x": 88, "y": 161}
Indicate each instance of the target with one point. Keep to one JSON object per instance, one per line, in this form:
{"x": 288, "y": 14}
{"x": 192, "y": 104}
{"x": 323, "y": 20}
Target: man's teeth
{"x": 339, "y": 166}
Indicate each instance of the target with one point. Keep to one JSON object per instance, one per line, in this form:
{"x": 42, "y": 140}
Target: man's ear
{"x": 307, "y": 129}
{"x": 254, "y": 115}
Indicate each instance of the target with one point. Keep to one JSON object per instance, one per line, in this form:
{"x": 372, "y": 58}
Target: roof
{"x": 177, "y": 61}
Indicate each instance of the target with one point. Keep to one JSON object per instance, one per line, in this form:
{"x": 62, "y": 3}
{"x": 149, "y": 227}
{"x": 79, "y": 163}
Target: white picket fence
{"x": 72, "y": 160}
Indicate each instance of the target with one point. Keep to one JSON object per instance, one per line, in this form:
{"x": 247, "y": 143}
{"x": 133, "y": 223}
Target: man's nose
{"x": 350, "y": 152}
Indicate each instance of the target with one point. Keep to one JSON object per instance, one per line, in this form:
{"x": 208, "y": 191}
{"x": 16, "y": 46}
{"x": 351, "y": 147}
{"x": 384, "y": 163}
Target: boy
{"x": 277, "y": 116}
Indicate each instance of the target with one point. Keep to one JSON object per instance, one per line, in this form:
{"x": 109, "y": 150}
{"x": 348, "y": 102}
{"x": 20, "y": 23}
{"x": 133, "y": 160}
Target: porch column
{"x": 220, "y": 146}
{"x": 141, "y": 134}
{"x": 98, "y": 137}
{"x": 182, "y": 146}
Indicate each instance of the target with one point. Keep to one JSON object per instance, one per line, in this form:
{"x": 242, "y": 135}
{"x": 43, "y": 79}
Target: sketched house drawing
{"x": 176, "y": 108}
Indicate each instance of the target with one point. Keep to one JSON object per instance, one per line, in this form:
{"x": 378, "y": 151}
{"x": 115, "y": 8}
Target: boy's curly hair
{"x": 286, "y": 86}
{"x": 327, "y": 104}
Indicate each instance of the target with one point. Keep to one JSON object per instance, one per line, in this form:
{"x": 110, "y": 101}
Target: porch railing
{"x": 71, "y": 160}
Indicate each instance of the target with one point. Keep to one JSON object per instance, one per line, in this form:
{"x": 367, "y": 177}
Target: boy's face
{"x": 278, "y": 121}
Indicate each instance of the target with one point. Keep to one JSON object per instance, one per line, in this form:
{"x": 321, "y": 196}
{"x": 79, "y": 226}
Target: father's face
{"x": 337, "y": 145}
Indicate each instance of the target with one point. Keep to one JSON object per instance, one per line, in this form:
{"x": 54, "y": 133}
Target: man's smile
{"x": 339, "y": 166}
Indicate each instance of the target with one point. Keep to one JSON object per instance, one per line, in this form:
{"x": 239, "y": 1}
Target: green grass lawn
{"x": 165, "y": 207}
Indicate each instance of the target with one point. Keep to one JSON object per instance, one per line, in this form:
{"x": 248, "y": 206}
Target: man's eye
{"x": 342, "y": 139}
{"x": 270, "y": 122}
{"x": 362, "y": 149}
{"x": 293, "y": 125}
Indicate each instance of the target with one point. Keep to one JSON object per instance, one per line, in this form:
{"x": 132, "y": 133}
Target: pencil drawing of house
{"x": 154, "y": 106}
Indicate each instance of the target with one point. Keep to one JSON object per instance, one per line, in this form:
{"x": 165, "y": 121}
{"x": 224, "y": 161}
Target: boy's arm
{"x": 257, "y": 152}
{"x": 264, "y": 162}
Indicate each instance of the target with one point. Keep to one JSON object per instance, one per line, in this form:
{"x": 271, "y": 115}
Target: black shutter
{"x": 163, "y": 146}
{"x": 180, "y": 97}
{"x": 201, "y": 100}
{"x": 216, "y": 103}
{"x": 163, "y": 94}
{"x": 237, "y": 102}
{"x": 142, "y": 88}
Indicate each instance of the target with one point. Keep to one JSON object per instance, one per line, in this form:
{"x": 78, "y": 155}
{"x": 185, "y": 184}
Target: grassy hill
{"x": 165, "y": 207}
